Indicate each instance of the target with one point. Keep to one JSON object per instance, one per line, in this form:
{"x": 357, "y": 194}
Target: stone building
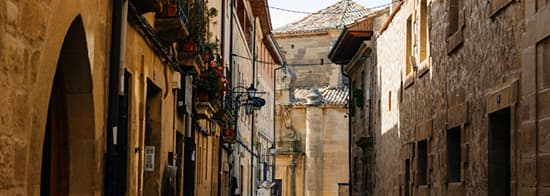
{"x": 107, "y": 97}
{"x": 312, "y": 93}
{"x": 92, "y": 85}
{"x": 354, "y": 50}
{"x": 460, "y": 98}
{"x": 312, "y": 141}
{"x": 307, "y": 42}
{"x": 36, "y": 50}
{"x": 253, "y": 55}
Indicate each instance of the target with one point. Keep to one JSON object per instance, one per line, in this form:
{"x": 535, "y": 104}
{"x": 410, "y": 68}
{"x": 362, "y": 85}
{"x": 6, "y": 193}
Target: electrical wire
{"x": 265, "y": 62}
{"x": 330, "y": 13}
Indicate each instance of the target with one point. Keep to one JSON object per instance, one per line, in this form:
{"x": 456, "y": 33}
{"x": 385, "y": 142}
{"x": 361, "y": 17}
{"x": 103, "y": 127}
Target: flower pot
{"x": 229, "y": 135}
{"x": 203, "y": 96}
{"x": 170, "y": 10}
{"x": 190, "y": 47}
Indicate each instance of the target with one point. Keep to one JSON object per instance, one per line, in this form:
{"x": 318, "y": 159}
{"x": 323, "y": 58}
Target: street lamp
{"x": 251, "y": 103}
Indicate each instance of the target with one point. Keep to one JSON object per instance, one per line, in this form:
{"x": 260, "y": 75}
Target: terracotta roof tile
{"x": 342, "y": 13}
{"x": 331, "y": 95}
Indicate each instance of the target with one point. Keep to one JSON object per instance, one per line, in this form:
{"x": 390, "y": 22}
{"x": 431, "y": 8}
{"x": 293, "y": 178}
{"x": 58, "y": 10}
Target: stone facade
{"x": 252, "y": 60}
{"x": 94, "y": 111}
{"x": 312, "y": 95}
{"x": 312, "y": 143}
{"x": 459, "y": 99}
{"x": 361, "y": 70}
{"x": 306, "y": 54}
{"x": 32, "y": 35}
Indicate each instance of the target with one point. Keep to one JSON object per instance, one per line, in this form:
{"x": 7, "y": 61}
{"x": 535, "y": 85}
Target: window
{"x": 389, "y": 101}
{"x": 453, "y": 154}
{"x": 423, "y": 30}
{"x": 407, "y": 176}
{"x": 452, "y": 17}
{"x": 422, "y": 163}
{"x": 408, "y": 66}
{"x": 455, "y": 17}
{"x": 499, "y": 161}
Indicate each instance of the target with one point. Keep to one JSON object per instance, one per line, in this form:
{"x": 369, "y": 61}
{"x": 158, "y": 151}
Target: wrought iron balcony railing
{"x": 171, "y": 22}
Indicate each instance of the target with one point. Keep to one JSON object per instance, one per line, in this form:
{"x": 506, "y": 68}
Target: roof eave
{"x": 260, "y": 8}
{"x": 347, "y": 45}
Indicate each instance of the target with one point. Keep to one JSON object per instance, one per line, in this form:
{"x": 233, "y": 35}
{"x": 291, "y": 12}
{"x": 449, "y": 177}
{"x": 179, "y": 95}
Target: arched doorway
{"x": 68, "y": 161}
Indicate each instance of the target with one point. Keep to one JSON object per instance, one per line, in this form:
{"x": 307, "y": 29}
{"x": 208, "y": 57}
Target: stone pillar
{"x": 292, "y": 175}
{"x": 314, "y": 151}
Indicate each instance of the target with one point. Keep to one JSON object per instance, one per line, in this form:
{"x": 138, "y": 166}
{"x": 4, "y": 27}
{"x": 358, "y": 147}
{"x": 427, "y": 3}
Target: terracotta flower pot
{"x": 190, "y": 47}
{"x": 170, "y": 10}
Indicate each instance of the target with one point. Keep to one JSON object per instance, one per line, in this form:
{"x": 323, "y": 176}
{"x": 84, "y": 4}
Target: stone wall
{"x": 390, "y": 59}
{"x": 322, "y": 159}
{"x": 495, "y": 62}
{"x": 306, "y": 54}
{"x": 31, "y": 37}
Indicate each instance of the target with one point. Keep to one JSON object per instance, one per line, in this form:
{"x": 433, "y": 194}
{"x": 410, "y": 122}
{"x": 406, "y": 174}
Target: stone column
{"x": 314, "y": 151}
{"x": 292, "y": 175}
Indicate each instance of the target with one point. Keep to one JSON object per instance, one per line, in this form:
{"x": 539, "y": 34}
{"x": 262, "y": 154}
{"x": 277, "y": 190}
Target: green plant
{"x": 212, "y": 78}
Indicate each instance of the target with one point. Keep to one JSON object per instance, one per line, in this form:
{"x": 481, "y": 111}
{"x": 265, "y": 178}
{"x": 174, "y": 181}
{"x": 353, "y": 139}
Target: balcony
{"x": 191, "y": 49}
{"x": 171, "y": 22}
{"x": 190, "y": 56}
{"x": 144, "y": 6}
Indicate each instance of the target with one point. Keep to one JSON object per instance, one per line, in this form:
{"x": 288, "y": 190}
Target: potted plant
{"x": 211, "y": 82}
{"x": 229, "y": 133}
{"x": 170, "y": 9}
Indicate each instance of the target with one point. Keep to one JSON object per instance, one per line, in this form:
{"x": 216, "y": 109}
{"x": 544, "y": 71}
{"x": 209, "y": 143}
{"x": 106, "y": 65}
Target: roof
{"x": 260, "y": 8}
{"x": 390, "y": 19}
{"x": 331, "y": 95}
{"x": 350, "y": 39}
{"x": 335, "y": 16}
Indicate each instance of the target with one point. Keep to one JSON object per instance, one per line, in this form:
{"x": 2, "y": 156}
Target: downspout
{"x": 222, "y": 45}
{"x": 253, "y": 115}
{"x": 231, "y": 66}
{"x": 274, "y": 121}
{"x": 116, "y": 88}
{"x": 349, "y": 127}
{"x": 230, "y": 84}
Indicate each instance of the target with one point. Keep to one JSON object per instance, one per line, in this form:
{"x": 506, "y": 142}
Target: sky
{"x": 280, "y": 18}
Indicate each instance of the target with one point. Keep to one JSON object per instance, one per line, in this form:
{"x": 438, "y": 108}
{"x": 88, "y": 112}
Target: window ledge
{"x": 409, "y": 80}
{"x": 455, "y": 188}
{"x": 424, "y": 67}
{"x": 498, "y": 5}
{"x": 455, "y": 184}
{"x": 423, "y": 186}
{"x": 454, "y": 41}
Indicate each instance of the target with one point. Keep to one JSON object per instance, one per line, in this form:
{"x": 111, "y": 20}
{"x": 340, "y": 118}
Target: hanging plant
{"x": 212, "y": 78}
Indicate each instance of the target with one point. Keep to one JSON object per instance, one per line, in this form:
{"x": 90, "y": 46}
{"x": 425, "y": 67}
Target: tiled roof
{"x": 342, "y": 13}
{"x": 331, "y": 95}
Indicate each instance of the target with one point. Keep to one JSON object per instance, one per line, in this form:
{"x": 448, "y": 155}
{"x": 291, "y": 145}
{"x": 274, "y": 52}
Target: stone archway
{"x": 68, "y": 158}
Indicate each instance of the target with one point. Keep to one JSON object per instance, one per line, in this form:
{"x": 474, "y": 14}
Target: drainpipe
{"x": 274, "y": 145}
{"x": 222, "y": 46}
{"x": 230, "y": 85}
{"x": 231, "y": 25}
{"x": 253, "y": 120}
{"x": 349, "y": 128}
{"x": 116, "y": 88}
